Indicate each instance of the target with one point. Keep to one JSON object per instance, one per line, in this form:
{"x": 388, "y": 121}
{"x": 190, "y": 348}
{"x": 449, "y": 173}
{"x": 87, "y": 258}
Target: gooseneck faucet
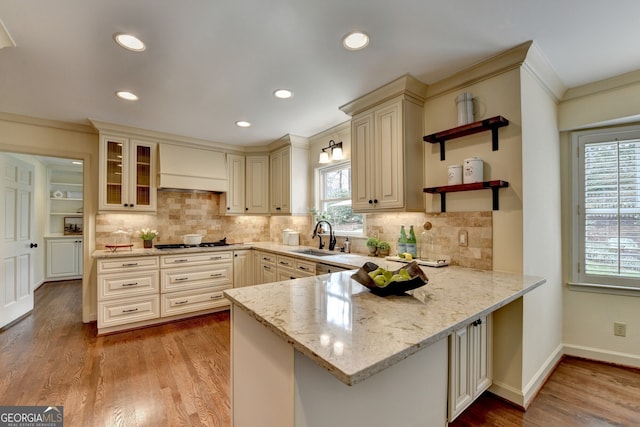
{"x": 332, "y": 237}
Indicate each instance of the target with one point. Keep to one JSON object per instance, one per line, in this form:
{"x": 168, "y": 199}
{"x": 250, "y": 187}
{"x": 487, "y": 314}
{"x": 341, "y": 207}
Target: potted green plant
{"x": 372, "y": 245}
{"x": 383, "y": 248}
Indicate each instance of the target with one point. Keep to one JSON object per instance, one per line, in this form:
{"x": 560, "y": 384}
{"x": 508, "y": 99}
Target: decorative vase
{"x": 383, "y": 252}
{"x": 372, "y": 250}
{"x": 148, "y": 244}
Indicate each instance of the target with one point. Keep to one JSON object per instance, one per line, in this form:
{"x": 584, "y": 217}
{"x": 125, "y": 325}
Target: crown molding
{"x": 618, "y": 82}
{"x": 406, "y": 85}
{"x": 55, "y": 124}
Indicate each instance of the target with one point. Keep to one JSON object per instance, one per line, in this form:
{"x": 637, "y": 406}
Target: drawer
{"x": 286, "y": 262}
{"x": 180, "y": 279}
{"x": 120, "y": 285}
{"x": 268, "y": 258}
{"x": 205, "y": 258}
{"x": 305, "y": 268}
{"x": 189, "y": 301}
{"x": 118, "y": 265}
{"x": 128, "y": 310}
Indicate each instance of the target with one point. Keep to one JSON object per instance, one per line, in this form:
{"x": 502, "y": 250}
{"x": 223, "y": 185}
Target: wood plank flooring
{"x": 178, "y": 375}
{"x": 170, "y": 375}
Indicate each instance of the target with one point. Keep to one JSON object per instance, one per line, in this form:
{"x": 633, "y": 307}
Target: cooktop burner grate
{"x": 222, "y": 242}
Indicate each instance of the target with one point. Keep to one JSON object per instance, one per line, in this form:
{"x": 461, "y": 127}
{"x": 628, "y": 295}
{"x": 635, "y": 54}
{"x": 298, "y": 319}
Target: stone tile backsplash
{"x": 187, "y": 212}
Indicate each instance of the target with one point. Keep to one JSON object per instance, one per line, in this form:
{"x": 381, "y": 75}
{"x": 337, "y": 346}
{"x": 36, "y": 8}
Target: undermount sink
{"x": 314, "y": 252}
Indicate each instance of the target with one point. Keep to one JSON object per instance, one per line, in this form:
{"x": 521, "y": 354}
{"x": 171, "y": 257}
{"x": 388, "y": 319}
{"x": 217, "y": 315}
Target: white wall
{"x": 542, "y": 236}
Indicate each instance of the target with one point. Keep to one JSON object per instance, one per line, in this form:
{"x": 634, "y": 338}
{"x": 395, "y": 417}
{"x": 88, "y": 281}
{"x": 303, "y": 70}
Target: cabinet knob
{"x": 375, "y": 201}
{"x": 130, "y": 205}
{"x": 246, "y": 209}
{"x": 277, "y": 209}
{"x": 228, "y": 208}
{"x": 370, "y": 201}
{"x": 33, "y": 245}
{"x": 126, "y": 205}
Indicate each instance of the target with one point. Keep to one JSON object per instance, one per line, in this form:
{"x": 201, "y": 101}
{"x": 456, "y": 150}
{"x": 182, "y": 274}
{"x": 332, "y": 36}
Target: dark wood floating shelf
{"x": 494, "y": 186}
{"x": 491, "y": 124}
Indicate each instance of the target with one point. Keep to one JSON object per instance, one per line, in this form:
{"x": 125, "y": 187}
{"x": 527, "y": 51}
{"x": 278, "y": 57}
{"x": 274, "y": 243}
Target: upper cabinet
{"x": 289, "y": 172}
{"x": 248, "y": 185}
{"x": 127, "y": 174}
{"x": 386, "y": 147}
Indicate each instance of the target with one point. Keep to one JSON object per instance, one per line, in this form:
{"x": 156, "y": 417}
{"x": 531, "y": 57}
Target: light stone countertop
{"x": 354, "y": 334}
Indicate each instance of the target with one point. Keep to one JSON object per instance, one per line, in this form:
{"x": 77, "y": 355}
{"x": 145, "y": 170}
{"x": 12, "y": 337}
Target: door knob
{"x": 33, "y": 245}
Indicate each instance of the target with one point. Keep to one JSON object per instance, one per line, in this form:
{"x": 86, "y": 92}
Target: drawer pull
{"x": 131, "y": 264}
{"x": 266, "y": 267}
{"x": 180, "y": 260}
{"x": 303, "y": 268}
{"x": 130, "y": 310}
{"x": 266, "y": 259}
{"x": 124, "y": 285}
{"x": 181, "y": 302}
{"x": 216, "y": 296}
{"x": 216, "y": 275}
{"x": 213, "y": 258}
{"x": 284, "y": 263}
{"x": 180, "y": 279}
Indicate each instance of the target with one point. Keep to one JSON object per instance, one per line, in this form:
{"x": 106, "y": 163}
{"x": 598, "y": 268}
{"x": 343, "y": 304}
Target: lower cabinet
{"x": 194, "y": 282}
{"x": 128, "y": 292}
{"x": 470, "y": 364}
{"x": 243, "y": 268}
{"x": 63, "y": 257}
{"x": 266, "y": 271}
{"x": 292, "y": 268}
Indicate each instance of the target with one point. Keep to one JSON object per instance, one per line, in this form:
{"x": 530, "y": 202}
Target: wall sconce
{"x": 336, "y": 152}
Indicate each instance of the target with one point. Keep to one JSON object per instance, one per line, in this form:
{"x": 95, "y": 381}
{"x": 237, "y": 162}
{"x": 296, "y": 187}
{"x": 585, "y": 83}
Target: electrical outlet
{"x": 463, "y": 238}
{"x": 620, "y": 329}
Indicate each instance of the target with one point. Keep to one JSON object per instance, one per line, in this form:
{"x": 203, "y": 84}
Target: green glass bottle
{"x": 402, "y": 241}
{"x": 412, "y": 243}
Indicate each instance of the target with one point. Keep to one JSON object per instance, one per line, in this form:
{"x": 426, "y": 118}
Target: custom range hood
{"x": 190, "y": 168}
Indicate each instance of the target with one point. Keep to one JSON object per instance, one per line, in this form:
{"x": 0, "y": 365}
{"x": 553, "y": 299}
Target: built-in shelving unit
{"x": 491, "y": 124}
{"x": 494, "y": 186}
{"x": 65, "y": 200}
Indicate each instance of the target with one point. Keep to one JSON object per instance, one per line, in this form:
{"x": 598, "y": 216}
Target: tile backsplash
{"x": 188, "y": 212}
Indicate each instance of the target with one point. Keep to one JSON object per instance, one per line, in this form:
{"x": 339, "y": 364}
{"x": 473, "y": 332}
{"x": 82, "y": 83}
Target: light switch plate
{"x": 463, "y": 238}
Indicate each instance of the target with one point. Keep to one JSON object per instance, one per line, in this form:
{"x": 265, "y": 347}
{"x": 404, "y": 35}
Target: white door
{"x": 17, "y": 243}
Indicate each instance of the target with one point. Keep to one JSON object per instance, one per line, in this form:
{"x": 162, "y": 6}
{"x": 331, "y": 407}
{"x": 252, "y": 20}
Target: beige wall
{"x": 41, "y": 137}
{"x": 589, "y": 317}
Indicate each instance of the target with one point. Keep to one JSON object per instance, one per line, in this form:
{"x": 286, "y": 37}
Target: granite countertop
{"x": 354, "y": 334}
{"x": 339, "y": 259}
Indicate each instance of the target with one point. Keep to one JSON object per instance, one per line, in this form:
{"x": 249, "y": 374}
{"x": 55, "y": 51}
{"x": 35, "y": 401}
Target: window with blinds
{"x": 608, "y": 208}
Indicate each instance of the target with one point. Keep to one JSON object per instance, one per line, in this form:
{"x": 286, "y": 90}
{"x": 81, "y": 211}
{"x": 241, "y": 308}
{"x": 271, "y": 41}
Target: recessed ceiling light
{"x": 243, "y": 124}
{"x": 126, "y": 95}
{"x": 129, "y": 42}
{"x": 355, "y": 41}
{"x": 282, "y": 93}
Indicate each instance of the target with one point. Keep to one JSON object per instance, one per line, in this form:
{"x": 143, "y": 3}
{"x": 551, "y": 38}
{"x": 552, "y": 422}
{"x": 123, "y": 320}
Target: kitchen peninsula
{"x": 323, "y": 350}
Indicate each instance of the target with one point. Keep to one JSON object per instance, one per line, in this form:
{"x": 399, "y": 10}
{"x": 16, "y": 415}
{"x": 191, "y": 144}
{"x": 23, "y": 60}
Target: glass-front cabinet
{"x": 127, "y": 174}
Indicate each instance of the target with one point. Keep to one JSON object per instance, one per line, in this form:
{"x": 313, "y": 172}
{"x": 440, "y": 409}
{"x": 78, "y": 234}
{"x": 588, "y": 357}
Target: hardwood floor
{"x": 168, "y": 375}
{"x": 178, "y": 375}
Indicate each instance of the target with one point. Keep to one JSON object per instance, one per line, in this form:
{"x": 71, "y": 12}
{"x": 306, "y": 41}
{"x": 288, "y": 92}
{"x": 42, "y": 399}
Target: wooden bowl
{"x": 418, "y": 278}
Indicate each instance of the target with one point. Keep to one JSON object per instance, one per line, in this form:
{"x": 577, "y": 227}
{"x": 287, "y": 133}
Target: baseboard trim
{"x": 600, "y": 355}
{"x": 508, "y": 393}
{"x": 542, "y": 375}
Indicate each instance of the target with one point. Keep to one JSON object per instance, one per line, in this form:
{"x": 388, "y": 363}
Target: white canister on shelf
{"x": 454, "y": 175}
{"x": 472, "y": 170}
{"x": 464, "y": 103}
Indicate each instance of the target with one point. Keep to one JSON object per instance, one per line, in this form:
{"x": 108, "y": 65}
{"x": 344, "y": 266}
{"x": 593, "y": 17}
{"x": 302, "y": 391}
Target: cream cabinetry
{"x": 470, "y": 364}
{"x": 267, "y": 271}
{"x": 387, "y": 148}
{"x": 243, "y": 268}
{"x": 289, "y": 178}
{"x": 127, "y": 292}
{"x": 248, "y": 185}
{"x": 194, "y": 282}
{"x": 257, "y": 185}
{"x": 127, "y": 174}
{"x": 292, "y": 268}
{"x": 64, "y": 257}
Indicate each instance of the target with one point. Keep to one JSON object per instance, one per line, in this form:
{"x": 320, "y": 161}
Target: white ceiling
{"x": 210, "y": 63}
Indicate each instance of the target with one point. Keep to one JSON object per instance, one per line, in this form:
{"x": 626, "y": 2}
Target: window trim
{"x": 318, "y": 183}
{"x": 579, "y": 280}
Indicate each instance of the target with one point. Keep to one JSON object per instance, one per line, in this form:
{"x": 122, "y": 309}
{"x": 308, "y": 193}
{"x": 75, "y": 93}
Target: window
{"x": 607, "y": 212}
{"x": 334, "y": 200}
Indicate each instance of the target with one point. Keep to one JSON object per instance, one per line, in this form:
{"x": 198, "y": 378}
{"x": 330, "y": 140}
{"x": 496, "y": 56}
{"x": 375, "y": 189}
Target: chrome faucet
{"x": 332, "y": 237}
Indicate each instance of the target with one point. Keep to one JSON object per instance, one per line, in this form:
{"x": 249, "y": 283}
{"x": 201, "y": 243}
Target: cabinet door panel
{"x": 257, "y": 187}
{"x": 459, "y": 375}
{"x": 482, "y": 368}
{"x": 235, "y": 197}
{"x": 389, "y": 159}
{"x": 62, "y": 258}
{"x": 361, "y": 163}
